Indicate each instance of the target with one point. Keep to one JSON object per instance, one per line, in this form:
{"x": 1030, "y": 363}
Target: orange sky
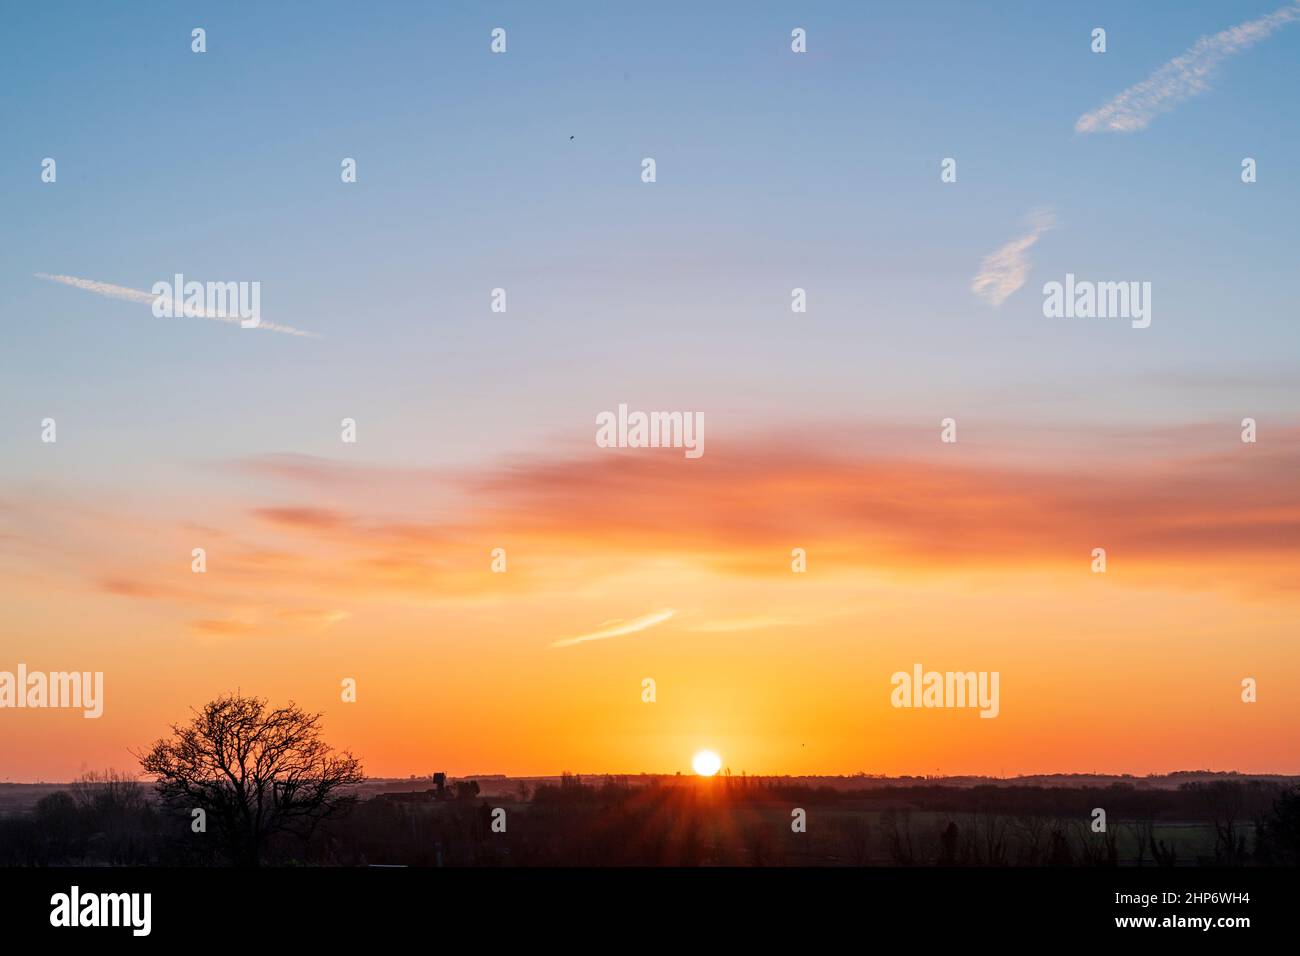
{"x": 955, "y": 557}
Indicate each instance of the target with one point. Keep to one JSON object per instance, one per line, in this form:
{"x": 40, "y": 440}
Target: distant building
{"x": 439, "y": 792}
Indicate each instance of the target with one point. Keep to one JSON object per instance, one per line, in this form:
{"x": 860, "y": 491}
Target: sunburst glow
{"x": 706, "y": 763}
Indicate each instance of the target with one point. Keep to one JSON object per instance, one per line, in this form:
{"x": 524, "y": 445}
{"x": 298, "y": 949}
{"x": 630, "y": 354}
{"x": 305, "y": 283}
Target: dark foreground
{"x": 608, "y": 822}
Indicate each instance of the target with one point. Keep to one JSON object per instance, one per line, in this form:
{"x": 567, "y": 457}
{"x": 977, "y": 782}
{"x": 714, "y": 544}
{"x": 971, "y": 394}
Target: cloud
{"x": 1188, "y": 505}
{"x": 1180, "y": 79}
{"x": 313, "y": 617}
{"x": 313, "y": 470}
{"x": 108, "y": 290}
{"x": 126, "y": 587}
{"x": 252, "y": 621}
{"x": 101, "y": 288}
{"x": 1004, "y": 271}
{"x": 641, "y": 623}
{"x": 320, "y": 519}
{"x": 857, "y": 499}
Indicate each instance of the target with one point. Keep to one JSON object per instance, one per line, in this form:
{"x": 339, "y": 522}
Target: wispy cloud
{"x": 1190, "y": 506}
{"x": 108, "y": 290}
{"x": 618, "y": 630}
{"x": 1004, "y": 271}
{"x": 1183, "y": 77}
{"x": 884, "y": 504}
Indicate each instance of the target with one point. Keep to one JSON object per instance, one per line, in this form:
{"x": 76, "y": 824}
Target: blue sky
{"x": 475, "y": 429}
{"x": 774, "y": 170}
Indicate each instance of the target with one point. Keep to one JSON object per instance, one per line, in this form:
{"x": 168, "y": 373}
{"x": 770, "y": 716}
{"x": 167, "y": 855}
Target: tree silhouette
{"x": 1164, "y": 856}
{"x": 948, "y": 845}
{"x": 116, "y": 811}
{"x": 254, "y": 772}
{"x": 467, "y": 789}
{"x": 1279, "y": 835}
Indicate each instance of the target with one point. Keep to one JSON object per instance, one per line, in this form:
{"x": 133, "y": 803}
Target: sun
{"x": 706, "y": 763}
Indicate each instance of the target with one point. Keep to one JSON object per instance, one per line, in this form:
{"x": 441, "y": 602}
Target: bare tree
{"x": 1144, "y": 827}
{"x": 1095, "y": 849}
{"x": 948, "y": 845}
{"x": 1031, "y": 833}
{"x": 899, "y": 837}
{"x": 1224, "y": 802}
{"x": 254, "y": 772}
{"x": 855, "y": 834}
{"x": 993, "y": 834}
{"x": 117, "y": 814}
{"x": 1164, "y": 855}
{"x": 108, "y": 792}
{"x": 1279, "y": 831}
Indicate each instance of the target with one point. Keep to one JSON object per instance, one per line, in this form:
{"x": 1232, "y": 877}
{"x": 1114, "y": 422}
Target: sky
{"x": 775, "y": 170}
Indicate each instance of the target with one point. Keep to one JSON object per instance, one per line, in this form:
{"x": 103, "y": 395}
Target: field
{"x": 657, "y": 821}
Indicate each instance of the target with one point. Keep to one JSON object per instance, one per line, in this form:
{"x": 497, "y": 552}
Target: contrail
{"x": 1183, "y": 77}
{"x": 137, "y": 295}
{"x": 626, "y": 627}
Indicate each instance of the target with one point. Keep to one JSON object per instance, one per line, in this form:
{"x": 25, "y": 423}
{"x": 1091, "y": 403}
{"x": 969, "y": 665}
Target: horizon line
{"x": 857, "y": 775}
